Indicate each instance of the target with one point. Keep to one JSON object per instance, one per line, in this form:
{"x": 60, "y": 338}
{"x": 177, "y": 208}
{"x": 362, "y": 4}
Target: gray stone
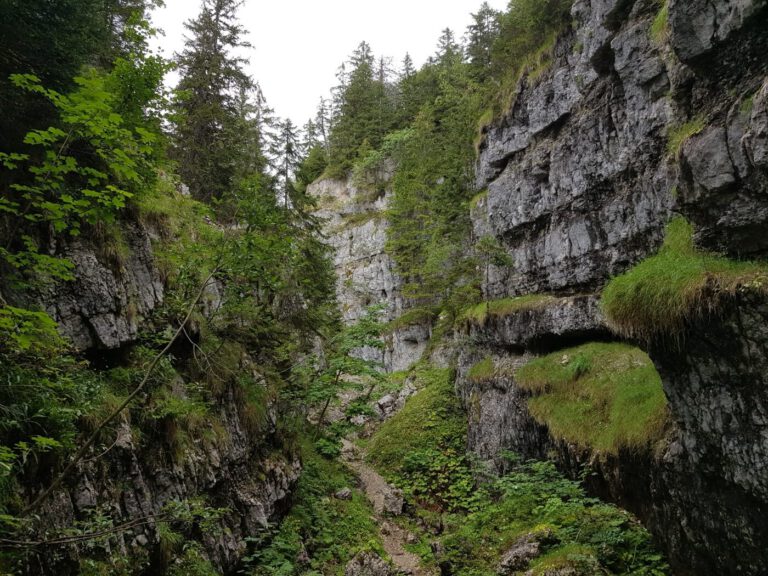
{"x": 697, "y": 26}
{"x": 343, "y": 494}
{"x": 368, "y": 564}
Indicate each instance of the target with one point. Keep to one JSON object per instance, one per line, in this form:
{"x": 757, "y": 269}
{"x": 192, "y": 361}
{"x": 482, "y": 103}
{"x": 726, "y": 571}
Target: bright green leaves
{"x": 28, "y": 330}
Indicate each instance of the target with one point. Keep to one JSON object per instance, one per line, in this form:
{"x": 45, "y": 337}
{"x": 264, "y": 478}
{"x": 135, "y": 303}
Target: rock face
{"x": 104, "y": 305}
{"x": 356, "y": 228}
{"x": 233, "y": 472}
{"x": 228, "y": 465}
{"x": 581, "y": 180}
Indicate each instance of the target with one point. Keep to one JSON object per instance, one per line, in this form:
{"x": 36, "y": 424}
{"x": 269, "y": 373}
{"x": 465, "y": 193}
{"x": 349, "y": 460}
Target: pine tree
{"x": 407, "y": 70}
{"x": 448, "y": 50}
{"x": 365, "y": 109}
{"x": 286, "y": 149}
{"x": 212, "y": 78}
{"x": 481, "y": 35}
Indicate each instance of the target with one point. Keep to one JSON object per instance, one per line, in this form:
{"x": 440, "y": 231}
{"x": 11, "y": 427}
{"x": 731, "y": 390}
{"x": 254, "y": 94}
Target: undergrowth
{"x": 422, "y": 450}
{"x": 657, "y": 297}
{"x": 321, "y": 533}
{"x": 603, "y": 396}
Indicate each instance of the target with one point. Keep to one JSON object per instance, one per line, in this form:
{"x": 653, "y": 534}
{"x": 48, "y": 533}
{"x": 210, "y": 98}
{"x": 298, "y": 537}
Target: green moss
{"x": 360, "y": 218}
{"x": 657, "y": 297}
{"x": 482, "y": 371}
{"x": 679, "y": 135}
{"x": 601, "y": 396}
{"x": 660, "y": 27}
{"x": 505, "y": 307}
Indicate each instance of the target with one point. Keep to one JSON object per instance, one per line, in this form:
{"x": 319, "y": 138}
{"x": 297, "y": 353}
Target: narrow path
{"x": 376, "y": 489}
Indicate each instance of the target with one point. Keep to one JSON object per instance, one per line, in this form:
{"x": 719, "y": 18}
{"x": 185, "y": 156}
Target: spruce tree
{"x": 212, "y": 83}
{"x": 481, "y": 35}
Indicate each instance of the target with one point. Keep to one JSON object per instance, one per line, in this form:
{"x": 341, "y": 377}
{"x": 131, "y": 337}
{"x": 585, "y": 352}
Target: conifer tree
{"x": 212, "y": 80}
{"x": 481, "y": 35}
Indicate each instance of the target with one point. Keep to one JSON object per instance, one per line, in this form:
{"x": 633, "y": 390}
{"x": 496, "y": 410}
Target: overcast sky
{"x": 299, "y": 44}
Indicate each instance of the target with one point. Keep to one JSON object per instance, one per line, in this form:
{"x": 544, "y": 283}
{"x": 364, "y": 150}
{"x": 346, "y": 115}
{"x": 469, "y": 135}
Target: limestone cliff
{"x": 643, "y": 111}
{"x": 137, "y": 471}
{"x": 356, "y": 228}
{"x": 581, "y": 176}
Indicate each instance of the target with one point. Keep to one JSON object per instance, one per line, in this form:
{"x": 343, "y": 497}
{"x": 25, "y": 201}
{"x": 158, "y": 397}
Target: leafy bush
{"x": 575, "y": 530}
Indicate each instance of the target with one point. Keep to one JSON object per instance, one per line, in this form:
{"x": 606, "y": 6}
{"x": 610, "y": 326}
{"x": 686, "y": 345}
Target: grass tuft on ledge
{"x": 505, "y": 307}
{"x": 482, "y": 371}
{"x": 603, "y": 396}
{"x": 660, "y": 295}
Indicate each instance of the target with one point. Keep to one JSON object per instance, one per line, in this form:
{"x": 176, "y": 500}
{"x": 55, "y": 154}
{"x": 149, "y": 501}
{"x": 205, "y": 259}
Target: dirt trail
{"x": 376, "y": 489}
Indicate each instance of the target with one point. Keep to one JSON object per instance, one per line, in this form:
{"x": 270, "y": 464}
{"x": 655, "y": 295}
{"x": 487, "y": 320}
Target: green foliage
{"x": 429, "y": 222}
{"x": 482, "y": 371}
{"x": 329, "y": 530}
{"x": 679, "y": 135}
{"x": 575, "y": 530}
{"x": 412, "y": 317}
{"x": 660, "y": 295}
{"x": 660, "y": 26}
{"x": 527, "y": 33}
{"x": 81, "y": 171}
{"x": 479, "y": 313}
{"x": 606, "y": 397}
{"x": 365, "y": 112}
{"x": 422, "y": 448}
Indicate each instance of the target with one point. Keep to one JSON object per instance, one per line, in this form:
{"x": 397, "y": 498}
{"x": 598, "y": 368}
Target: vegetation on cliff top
{"x": 605, "y": 397}
{"x": 657, "y": 297}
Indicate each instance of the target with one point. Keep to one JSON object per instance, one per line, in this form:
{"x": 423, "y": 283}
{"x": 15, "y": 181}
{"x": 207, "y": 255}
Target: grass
{"x": 479, "y": 313}
{"x": 360, "y": 218}
{"x": 482, "y": 371}
{"x": 660, "y": 295}
{"x": 660, "y": 27}
{"x": 477, "y": 198}
{"x": 423, "y": 446}
{"x": 679, "y": 135}
{"x": 603, "y": 396}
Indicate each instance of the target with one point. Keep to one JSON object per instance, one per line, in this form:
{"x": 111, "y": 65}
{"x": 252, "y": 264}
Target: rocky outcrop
{"x": 104, "y": 305}
{"x": 135, "y": 482}
{"x": 581, "y": 179}
{"x": 139, "y": 470}
{"x": 356, "y": 229}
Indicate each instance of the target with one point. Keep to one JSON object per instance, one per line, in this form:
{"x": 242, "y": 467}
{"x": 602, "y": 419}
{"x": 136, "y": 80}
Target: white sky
{"x": 299, "y": 44}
